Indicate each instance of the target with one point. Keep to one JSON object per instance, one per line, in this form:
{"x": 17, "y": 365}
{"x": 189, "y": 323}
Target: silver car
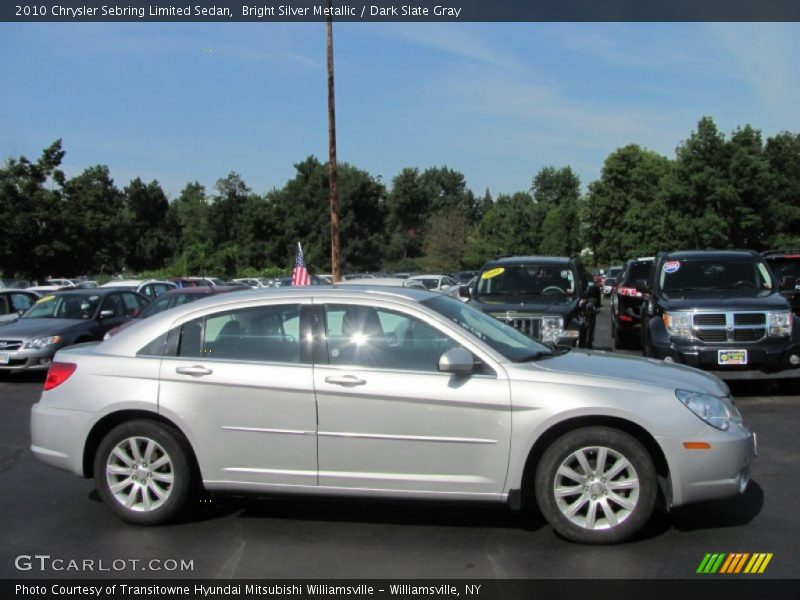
{"x": 398, "y": 393}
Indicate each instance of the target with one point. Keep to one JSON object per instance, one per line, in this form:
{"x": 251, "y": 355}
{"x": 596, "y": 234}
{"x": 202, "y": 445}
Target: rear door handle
{"x": 345, "y": 380}
{"x": 195, "y": 371}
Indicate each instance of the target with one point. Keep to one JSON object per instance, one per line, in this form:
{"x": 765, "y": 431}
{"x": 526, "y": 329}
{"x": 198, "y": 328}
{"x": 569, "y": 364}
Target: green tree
{"x": 94, "y": 222}
{"x": 782, "y": 152}
{"x": 150, "y": 236}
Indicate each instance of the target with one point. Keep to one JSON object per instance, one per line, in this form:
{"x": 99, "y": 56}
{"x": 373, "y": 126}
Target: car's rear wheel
{"x": 142, "y": 472}
{"x": 596, "y": 485}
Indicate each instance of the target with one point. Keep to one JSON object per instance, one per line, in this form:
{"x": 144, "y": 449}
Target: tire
{"x": 168, "y": 478}
{"x": 617, "y": 509}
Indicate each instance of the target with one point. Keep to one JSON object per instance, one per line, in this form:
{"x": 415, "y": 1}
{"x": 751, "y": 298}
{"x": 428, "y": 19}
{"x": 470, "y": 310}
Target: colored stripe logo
{"x": 734, "y": 563}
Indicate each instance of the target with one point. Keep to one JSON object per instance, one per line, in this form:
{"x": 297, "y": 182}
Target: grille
{"x": 712, "y": 335}
{"x": 10, "y": 345}
{"x": 750, "y": 319}
{"x": 705, "y": 320}
{"x": 748, "y": 335}
{"x": 729, "y": 327}
{"x": 527, "y": 325}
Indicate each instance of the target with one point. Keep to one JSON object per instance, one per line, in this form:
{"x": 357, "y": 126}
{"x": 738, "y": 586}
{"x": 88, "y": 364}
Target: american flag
{"x": 300, "y": 274}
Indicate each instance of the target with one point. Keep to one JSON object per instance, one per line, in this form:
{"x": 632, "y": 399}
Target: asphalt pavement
{"x": 47, "y": 512}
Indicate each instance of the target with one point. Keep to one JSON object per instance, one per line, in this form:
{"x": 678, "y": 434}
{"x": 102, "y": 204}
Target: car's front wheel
{"x": 596, "y": 485}
{"x": 142, "y": 472}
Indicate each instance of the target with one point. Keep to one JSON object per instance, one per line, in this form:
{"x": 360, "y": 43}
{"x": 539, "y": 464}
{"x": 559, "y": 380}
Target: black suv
{"x": 786, "y": 265}
{"x": 627, "y": 301}
{"x": 721, "y": 311}
{"x": 551, "y": 299}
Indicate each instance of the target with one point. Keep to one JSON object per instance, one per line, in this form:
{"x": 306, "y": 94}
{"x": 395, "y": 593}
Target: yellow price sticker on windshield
{"x": 45, "y": 299}
{"x": 493, "y": 273}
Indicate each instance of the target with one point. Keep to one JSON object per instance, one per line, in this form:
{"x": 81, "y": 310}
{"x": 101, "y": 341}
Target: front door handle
{"x": 195, "y": 371}
{"x": 345, "y": 380}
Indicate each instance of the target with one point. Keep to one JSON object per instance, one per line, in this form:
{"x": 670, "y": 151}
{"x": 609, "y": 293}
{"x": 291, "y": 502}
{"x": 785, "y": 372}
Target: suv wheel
{"x": 142, "y": 472}
{"x": 596, "y": 485}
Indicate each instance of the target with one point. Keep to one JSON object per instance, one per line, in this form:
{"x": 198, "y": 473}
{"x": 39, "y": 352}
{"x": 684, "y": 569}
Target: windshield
{"x": 707, "y": 274}
{"x": 64, "y": 306}
{"x": 430, "y": 283}
{"x": 505, "y": 339}
{"x": 786, "y": 267}
{"x": 638, "y": 271}
{"x": 527, "y": 279}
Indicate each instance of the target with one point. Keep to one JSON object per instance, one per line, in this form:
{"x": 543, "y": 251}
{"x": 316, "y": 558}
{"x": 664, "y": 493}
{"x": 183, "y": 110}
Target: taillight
{"x": 58, "y": 373}
{"x": 629, "y": 291}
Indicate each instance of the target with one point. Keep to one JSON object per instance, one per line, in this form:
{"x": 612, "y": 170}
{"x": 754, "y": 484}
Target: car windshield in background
{"x": 527, "y": 279}
{"x": 639, "y": 271}
{"x": 785, "y": 267}
{"x": 64, "y": 306}
{"x": 714, "y": 275}
{"x": 430, "y": 283}
{"x": 505, "y": 339}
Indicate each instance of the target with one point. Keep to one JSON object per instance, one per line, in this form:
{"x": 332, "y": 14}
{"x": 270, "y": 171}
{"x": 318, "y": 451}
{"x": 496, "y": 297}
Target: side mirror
{"x": 464, "y": 293}
{"x": 105, "y": 314}
{"x": 788, "y": 283}
{"x": 458, "y": 361}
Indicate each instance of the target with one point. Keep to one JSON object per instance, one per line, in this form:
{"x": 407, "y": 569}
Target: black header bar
{"x": 387, "y": 10}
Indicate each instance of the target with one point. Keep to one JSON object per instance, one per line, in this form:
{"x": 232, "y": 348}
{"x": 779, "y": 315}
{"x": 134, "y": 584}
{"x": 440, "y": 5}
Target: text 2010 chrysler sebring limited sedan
{"x": 398, "y": 393}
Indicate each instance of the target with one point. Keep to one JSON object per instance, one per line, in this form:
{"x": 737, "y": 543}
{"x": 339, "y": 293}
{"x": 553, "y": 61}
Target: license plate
{"x": 5, "y": 357}
{"x": 732, "y": 357}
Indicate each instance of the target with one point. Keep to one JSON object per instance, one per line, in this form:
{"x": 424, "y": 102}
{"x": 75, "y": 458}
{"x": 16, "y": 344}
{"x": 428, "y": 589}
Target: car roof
{"x": 376, "y": 282}
{"x": 519, "y": 260}
{"x": 91, "y": 291}
{"x": 132, "y": 339}
{"x": 712, "y": 254}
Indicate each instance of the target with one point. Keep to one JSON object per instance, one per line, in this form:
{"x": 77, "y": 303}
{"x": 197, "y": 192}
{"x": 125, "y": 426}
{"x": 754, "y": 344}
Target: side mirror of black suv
{"x": 788, "y": 283}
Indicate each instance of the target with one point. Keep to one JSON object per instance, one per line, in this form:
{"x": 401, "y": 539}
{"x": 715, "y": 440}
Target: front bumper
{"x": 719, "y": 472}
{"x": 764, "y": 361}
{"x": 26, "y": 360}
{"x": 57, "y": 436}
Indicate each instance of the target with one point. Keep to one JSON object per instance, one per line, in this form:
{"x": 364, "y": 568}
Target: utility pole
{"x": 332, "y": 172}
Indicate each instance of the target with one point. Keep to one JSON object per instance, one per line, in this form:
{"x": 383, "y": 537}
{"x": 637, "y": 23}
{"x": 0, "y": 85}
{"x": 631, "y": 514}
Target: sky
{"x": 496, "y": 101}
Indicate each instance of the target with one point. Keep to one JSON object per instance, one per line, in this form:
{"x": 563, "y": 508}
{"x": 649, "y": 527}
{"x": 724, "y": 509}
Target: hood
{"x": 33, "y": 328}
{"x": 724, "y": 300}
{"x": 551, "y": 305}
{"x": 617, "y": 369}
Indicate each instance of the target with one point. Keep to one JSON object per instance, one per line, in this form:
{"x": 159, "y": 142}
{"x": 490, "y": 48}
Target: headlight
{"x": 780, "y": 323}
{"x": 551, "y": 329}
{"x": 717, "y": 412}
{"x": 678, "y": 324}
{"x": 42, "y": 342}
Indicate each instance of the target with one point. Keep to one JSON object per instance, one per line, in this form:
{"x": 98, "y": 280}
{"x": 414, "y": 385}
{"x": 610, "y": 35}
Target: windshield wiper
{"x": 540, "y": 354}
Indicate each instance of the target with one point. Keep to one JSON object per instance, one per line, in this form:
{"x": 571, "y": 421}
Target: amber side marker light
{"x": 58, "y": 373}
{"x": 697, "y": 445}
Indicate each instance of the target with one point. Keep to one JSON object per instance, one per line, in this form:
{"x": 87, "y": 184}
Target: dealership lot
{"x": 49, "y": 512}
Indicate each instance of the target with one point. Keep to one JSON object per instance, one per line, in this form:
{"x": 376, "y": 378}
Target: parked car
{"x": 149, "y": 288}
{"x": 16, "y": 284}
{"x": 627, "y": 301}
{"x": 609, "y": 285}
{"x": 464, "y": 277}
{"x": 402, "y": 394}
{"x": 253, "y": 282}
{"x": 436, "y": 283}
{"x": 786, "y": 266}
{"x": 61, "y": 319}
{"x": 384, "y": 282}
{"x": 720, "y": 311}
{"x": 551, "y": 299}
{"x": 351, "y": 276}
{"x": 287, "y": 281}
{"x": 14, "y": 303}
{"x": 175, "y": 297}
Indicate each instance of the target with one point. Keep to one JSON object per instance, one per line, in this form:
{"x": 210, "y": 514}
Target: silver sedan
{"x": 396, "y": 393}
